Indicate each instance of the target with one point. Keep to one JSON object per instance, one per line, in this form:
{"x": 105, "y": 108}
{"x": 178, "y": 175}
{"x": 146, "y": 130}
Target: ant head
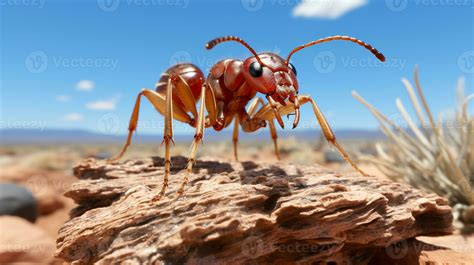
{"x": 267, "y": 73}
{"x": 274, "y": 76}
{"x": 271, "y": 75}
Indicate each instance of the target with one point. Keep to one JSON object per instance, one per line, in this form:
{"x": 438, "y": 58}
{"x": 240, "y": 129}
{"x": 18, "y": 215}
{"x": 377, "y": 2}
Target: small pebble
{"x": 17, "y": 201}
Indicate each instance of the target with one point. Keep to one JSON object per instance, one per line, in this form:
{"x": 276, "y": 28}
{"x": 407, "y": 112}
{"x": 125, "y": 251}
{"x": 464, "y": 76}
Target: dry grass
{"x": 434, "y": 155}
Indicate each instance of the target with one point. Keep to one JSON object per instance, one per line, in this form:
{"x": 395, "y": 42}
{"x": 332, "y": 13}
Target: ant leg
{"x": 185, "y": 94}
{"x": 267, "y": 114}
{"x": 252, "y": 110}
{"x": 131, "y": 128}
{"x": 159, "y": 102}
{"x": 211, "y": 105}
{"x": 274, "y": 135}
{"x": 250, "y": 124}
{"x": 330, "y": 137}
{"x": 197, "y": 138}
{"x": 235, "y": 136}
{"x": 167, "y": 137}
{"x": 274, "y": 106}
{"x": 208, "y": 101}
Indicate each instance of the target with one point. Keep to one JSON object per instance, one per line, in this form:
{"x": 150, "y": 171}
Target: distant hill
{"x": 56, "y": 136}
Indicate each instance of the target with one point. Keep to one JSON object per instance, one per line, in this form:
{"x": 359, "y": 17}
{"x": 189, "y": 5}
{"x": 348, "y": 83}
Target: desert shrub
{"x": 433, "y": 155}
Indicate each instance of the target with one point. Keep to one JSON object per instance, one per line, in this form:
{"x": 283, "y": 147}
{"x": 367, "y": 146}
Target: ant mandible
{"x": 225, "y": 93}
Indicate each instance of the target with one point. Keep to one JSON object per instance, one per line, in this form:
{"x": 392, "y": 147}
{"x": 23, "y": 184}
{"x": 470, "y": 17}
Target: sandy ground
{"x": 47, "y": 172}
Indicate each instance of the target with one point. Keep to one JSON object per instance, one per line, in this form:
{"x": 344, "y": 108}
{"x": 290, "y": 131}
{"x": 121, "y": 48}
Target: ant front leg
{"x": 266, "y": 113}
{"x": 328, "y": 133}
{"x": 235, "y": 137}
{"x": 252, "y": 110}
{"x": 274, "y": 136}
{"x": 249, "y": 124}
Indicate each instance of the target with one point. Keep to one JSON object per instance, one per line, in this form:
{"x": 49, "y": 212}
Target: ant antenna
{"x": 369, "y": 47}
{"x": 216, "y": 41}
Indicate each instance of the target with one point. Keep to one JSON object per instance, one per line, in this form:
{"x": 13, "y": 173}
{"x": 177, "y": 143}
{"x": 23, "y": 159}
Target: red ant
{"x": 225, "y": 93}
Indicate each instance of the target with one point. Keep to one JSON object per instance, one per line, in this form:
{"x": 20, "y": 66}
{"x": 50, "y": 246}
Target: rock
{"x": 48, "y": 200}
{"x": 23, "y": 242}
{"x": 51, "y": 222}
{"x": 17, "y": 201}
{"x": 236, "y": 213}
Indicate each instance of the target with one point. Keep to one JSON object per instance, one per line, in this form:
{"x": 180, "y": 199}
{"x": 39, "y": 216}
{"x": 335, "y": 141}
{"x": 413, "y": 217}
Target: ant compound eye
{"x": 255, "y": 69}
{"x": 293, "y": 68}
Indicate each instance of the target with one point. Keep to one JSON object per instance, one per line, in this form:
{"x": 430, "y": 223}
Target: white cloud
{"x": 85, "y": 85}
{"x": 108, "y": 104}
{"x": 329, "y": 9}
{"x": 63, "y": 98}
{"x": 73, "y": 117}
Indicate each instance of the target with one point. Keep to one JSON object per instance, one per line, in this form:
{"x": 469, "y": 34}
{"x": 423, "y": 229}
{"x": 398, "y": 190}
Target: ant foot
{"x": 156, "y": 198}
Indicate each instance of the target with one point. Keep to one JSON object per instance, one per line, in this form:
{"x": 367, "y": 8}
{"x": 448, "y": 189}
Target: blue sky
{"x": 80, "y": 64}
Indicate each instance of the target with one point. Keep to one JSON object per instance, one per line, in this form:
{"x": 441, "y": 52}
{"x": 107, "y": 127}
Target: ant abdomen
{"x": 191, "y": 74}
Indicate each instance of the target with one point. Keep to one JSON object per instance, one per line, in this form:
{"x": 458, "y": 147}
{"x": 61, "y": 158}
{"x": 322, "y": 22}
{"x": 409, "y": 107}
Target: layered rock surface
{"x": 238, "y": 213}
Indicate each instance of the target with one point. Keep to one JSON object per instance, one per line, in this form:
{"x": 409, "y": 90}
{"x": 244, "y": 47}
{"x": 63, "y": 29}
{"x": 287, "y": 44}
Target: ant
{"x": 230, "y": 85}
